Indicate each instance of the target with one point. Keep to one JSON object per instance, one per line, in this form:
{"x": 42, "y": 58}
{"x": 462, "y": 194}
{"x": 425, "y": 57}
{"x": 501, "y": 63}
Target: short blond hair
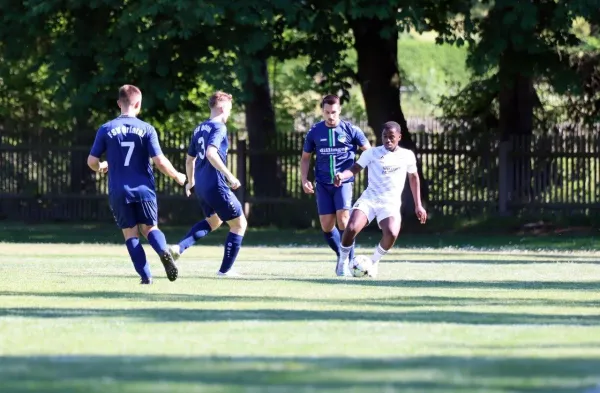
{"x": 218, "y": 97}
{"x": 128, "y": 94}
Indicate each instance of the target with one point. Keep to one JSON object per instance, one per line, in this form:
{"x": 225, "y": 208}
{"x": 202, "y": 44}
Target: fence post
{"x": 503, "y": 167}
{"x": 241, "y": 171}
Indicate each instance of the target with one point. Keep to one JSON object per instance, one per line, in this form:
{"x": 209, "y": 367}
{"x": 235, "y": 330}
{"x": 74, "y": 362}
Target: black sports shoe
{"x": 145, "y": 282}
{"x": 169, "y": 264}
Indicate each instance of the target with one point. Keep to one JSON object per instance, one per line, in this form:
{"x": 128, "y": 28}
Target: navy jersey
{"x": 206, "y": 176}
{"x": 335, "y": 148}
{"x": 129, "y": 143}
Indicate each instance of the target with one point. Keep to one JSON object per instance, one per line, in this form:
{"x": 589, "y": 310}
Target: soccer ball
{"x": 360, "y": 265}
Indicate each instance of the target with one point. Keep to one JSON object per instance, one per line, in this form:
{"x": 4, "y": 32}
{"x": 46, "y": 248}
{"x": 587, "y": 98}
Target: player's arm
{"x": 304, "y": 166}
{"x": 160, "y": 161}
{"x": 212, "y": 154}
{"x": 361, "y": 139}
{"x": 98, "y": 148}
{"x": 415, "y": 188}
{"x": 190, "y": 162}
{"x": 348, "y": 173}
{"x": 164, "y": 165}
{"x": 96, "y": 165}
{"x": 307, "y": 151}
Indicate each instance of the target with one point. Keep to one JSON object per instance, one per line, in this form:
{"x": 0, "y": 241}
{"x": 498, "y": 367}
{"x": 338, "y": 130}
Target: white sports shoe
{"x": 342, "y": 268}
{"x": 373, "y": 270}
{"x": 175, "y": 251}
{"x": 230, "y": 273}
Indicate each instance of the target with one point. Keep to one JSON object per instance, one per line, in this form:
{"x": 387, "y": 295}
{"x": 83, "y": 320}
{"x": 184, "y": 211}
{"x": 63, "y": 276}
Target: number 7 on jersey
{"x": 130, "y": 146}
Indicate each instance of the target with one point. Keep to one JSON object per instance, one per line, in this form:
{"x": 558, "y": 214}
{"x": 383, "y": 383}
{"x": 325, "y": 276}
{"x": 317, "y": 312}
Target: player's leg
{"x": 326, "y": 210}
{"x": 342, "y": 200}
{"x": 359, "y": 218}
{"x": 229, "y": 209}
{"x": 390, "y": 228}
{"x": 147, "y": 217}
{"x": 198, "y": 231}
{"x": 125, "y": 217}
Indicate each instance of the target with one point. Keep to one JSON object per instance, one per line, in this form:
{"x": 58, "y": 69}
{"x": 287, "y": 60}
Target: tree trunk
{"x": 517, "y": 100}
{"x": 379, "y": 78}
{"x": 268, "y": 179}
{"x": 82, "y": 177}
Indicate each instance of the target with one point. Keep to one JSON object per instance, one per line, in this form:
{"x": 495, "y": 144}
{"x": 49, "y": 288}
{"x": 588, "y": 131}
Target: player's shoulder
{"x": 406, "y": 153}
{"x": 348, "y": 126}
{"x": 316, "y": 127}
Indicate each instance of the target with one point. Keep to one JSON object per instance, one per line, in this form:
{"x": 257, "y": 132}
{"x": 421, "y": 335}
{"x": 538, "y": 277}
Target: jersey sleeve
{"x": 192, "y": 151}
{"x": 153, "y": 144}
{"x": 365, "y": 158}
{"x": 99, "y": 146}
{"x": 359, "y": 137}
{"x": 412, "y": 163}
{"x": 309, "y": 142}
{"x": 216, "y": 136}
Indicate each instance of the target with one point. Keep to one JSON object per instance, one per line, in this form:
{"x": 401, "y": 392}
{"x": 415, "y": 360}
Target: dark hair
{"x": 127, "y": 93}
{"x": 392, "y": 125}
{"x": 330, "y": 99}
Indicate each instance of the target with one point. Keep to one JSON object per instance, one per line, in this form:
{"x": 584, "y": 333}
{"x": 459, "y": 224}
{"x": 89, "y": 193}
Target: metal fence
{"x": 463, "y": 174}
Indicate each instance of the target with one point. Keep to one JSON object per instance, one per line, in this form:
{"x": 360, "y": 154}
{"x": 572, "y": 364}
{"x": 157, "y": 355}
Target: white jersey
{"x": 387, "y": 173}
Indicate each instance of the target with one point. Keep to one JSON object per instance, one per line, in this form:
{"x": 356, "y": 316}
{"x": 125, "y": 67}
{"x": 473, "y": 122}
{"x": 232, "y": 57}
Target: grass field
{"x": 74, "y": 319}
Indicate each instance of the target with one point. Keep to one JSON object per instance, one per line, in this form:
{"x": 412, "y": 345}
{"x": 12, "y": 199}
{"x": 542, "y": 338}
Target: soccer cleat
{"x": 145, "y": 282}
{"x": 230, "y": 273}
{"x": 175, "y": 251}
{"x": 342, "y": 268}
{"x": 373, "y": 270}
{"x": 169, "y": 264}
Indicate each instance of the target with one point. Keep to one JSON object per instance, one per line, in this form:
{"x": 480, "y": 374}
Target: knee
{"x": 214, "y": 222}
{"x": 238, "y": 225}
{"x": 327, "y": 223}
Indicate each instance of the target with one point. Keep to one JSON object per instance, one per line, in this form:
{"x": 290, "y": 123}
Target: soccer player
{"x": 335, "y": 143}
{"x": 128, "y": 143}
{"x": 388, "y": 165}
{"x": 212, "y": 182}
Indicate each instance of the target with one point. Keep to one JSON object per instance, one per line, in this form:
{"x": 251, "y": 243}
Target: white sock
{"x": 378, "y": 254}
{"x": 345, "y": 252}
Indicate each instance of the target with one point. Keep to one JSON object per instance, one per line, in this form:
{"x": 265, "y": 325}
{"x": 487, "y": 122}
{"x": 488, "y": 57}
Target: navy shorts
{"x": 222, "y": 202}
{"x": 129, "y": 215}
{"x": 330, "y": 198}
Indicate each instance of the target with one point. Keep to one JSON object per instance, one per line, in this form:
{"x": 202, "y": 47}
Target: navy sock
{"x": 351, "y": 256}
{"x": 333, "y": 238}
{"x": 138, "y": 257}
{"x": 197, "y": 232}
{"x": 233, "y": 243}
{"x": 158, "y": 241}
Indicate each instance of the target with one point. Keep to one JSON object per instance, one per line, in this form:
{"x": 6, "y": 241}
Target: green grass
{"x": 73, "y": 319}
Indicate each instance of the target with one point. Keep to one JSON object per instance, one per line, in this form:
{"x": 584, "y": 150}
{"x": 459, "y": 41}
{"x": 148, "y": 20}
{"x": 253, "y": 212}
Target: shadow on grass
{"x": 533, "y": 285}
{"x": 286, "y": 315}
{"x": 394, "y": 301}
{"x": 443, "y": 374}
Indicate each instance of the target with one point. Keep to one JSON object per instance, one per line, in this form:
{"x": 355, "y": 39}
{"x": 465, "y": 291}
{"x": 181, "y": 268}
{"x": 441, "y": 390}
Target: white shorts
{"x": 377, "y": 210}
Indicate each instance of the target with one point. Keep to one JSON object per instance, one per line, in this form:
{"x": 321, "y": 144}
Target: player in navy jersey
{"x": 129, "y": 143}
{"x": 335, "y": 143}
{"x": 206, "y": 164}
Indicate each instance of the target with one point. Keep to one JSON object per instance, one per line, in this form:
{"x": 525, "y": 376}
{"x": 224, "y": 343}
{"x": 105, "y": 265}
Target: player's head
{"x": 130, "y": 99}
{"x": 331, "y": 110}
{"x": 220, "y": 104}
{"x": 391, "y": 135}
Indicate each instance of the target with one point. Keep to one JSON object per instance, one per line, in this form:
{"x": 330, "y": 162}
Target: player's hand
{"x": 338, "y": 179}
{"x": 103, "y": 167}
{"x": 308, "y": 187}
{"x": 234, "y": 183}
{"x": 421, "y": 214}
{"x": 189, "y": 188}
{"x": 181, "y": 178}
